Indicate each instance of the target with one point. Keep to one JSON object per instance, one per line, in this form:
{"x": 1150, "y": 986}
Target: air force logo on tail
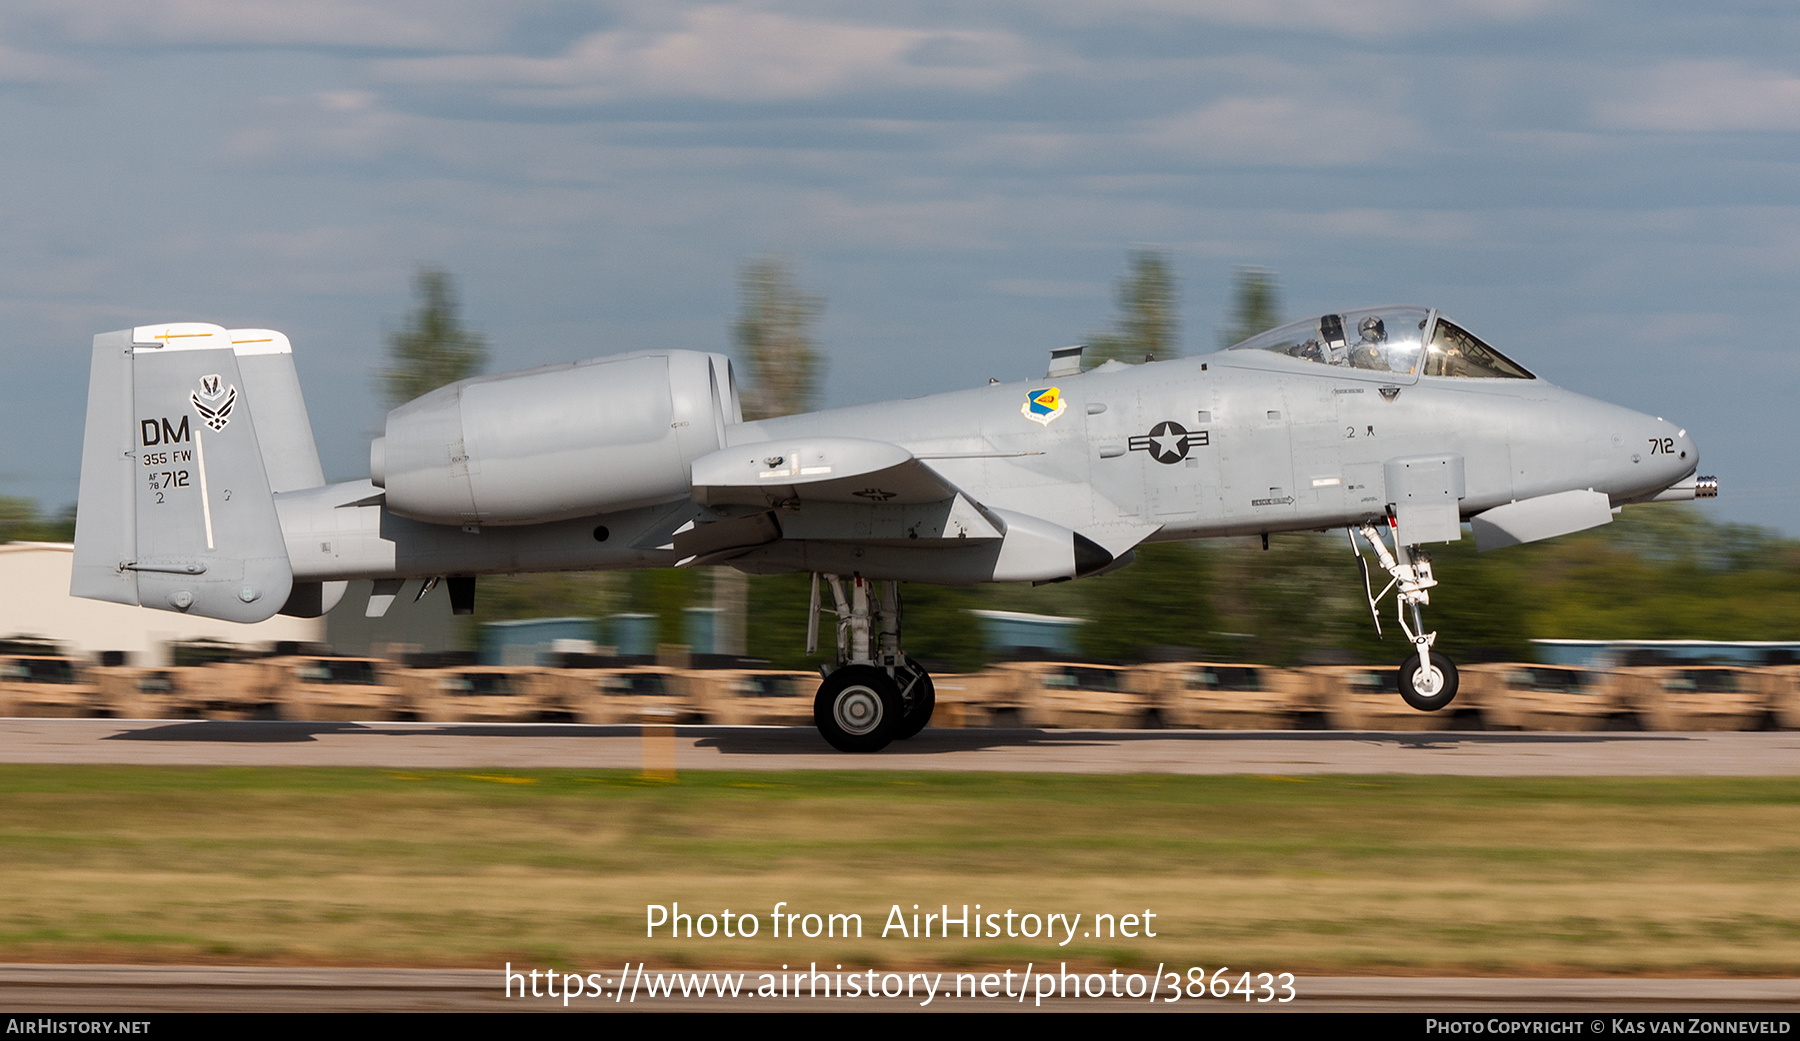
{"x": 213, "y": 403}
{"x": 1043, "y": 405}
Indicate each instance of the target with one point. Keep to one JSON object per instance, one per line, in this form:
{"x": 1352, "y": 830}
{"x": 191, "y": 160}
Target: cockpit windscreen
{"x": 1387, "y": 339}
{"x": 1382, "y": 339}
{"x": 1454, "y": 352}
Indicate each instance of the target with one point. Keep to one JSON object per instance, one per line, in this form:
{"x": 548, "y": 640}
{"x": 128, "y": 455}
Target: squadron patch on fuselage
{"x": 214, "y": 402}
{"x": 1169, "y": 441}
{"x": 1043, "y": 405}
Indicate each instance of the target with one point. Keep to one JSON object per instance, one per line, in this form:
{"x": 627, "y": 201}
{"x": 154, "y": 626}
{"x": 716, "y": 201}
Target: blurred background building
{"x": 35, "y": 578}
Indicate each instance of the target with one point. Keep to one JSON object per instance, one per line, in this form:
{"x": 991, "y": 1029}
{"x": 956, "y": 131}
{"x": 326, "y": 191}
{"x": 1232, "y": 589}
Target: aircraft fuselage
{"x": 1232, "y": 443}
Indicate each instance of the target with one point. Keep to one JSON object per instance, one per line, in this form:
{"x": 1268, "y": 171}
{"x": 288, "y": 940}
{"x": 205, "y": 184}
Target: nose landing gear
{"x": 876, "y": 694}
{"x": 1427, "y": 680}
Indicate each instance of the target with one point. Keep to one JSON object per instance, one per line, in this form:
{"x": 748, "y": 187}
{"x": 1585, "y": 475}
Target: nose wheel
{"x": 1428, "y": 689}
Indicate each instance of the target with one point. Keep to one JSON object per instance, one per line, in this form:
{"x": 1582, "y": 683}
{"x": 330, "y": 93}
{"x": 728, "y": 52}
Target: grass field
{"x": 554, "y": 868}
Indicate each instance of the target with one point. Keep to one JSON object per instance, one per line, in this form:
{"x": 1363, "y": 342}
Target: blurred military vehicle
{"x": 481, "y": 694}
{"x": 48, "y": 685}
{"x": 1696, "y": 697}
{"x": 1199, "y": 695}
{"x": 133, "y": 692}
{"x": 755, "y": 697}
{"x": 1519, "y": 696}
{"x": 1058, "y": 695}
{"x": 615, "y": 694}
{"x": 319, "y": 688}
{"x": 1783, "y": 683}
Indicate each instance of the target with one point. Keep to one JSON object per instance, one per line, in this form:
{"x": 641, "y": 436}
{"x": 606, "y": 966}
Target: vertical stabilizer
{"x": 183, "y": 516}
{"x": 290, "y": 457}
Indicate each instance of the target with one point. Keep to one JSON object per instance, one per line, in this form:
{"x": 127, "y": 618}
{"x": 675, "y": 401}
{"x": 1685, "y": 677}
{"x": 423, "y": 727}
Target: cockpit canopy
{"x": 1402, "y": 340}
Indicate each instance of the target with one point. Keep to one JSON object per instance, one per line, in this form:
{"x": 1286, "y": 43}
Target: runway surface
{"x": 538, "y": 745}
{"x": 130, "y": 988}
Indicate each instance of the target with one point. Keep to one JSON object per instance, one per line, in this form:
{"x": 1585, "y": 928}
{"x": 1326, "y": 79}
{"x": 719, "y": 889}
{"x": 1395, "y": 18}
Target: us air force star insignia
{"x": 1168, "y": 442}
{"x": 1043, "y": 405}
{"x": 214, "y": 402}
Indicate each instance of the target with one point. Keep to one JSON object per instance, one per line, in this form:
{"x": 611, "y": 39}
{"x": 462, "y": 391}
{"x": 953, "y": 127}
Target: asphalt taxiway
{"x": 535, "y": 745}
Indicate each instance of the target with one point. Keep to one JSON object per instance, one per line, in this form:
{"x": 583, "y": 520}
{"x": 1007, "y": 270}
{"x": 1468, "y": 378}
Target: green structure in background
{"x": 1149, "y": 326}
{"x": 434, "y": 349}
{"x": 20, "y": 521}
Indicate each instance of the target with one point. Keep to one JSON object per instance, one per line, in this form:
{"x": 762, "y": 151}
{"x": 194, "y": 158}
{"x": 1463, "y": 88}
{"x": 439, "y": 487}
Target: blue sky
{"x": 1606, "y": 191}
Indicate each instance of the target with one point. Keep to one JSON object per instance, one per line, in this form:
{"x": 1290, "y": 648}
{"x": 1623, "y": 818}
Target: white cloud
{"x": 1358, "y": 19}
{"x": 330, "y": 125}
{"x": 1701, "y": 96}
{"x": 20, "y": 68}
{"x": 1288, "y": 131}
{"x": 339, "y": 23}
{"x": 731, "y": 53}
{"x": 1046, "y": 287}
{"x": 1397, "y": 225}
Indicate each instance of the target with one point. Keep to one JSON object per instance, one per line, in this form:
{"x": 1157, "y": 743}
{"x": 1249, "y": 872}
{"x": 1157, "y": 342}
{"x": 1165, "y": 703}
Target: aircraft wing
{"x": 870, "y": 493}
{"x": 837, "y": 489}
{"x": 817, "y": 470}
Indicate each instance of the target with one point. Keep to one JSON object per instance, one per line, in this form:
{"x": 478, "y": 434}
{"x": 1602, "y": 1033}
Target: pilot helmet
{"x": 1371, "y": 329}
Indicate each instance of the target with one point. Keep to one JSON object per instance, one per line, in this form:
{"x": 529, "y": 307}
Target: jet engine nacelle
{"x": 557, "y": 442}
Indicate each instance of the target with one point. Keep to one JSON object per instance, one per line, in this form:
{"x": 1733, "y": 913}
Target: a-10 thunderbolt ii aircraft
{"x": 201, "y": 489}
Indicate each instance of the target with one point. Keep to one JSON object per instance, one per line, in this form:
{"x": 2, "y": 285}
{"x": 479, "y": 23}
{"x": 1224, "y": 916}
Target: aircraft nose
{"x": 1683, "y": 454}
{"x": 1672, "y": 453}
{"x": 1685, "y": 449}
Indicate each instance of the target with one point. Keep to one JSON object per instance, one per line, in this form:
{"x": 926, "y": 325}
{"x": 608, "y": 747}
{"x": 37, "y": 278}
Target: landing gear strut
{"x": 875, "y": 694}
{"x": 1427, "y": 679}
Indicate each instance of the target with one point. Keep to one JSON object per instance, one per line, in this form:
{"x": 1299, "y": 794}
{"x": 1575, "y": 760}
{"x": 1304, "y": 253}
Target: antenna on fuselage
{"x": 1065, "y": 361}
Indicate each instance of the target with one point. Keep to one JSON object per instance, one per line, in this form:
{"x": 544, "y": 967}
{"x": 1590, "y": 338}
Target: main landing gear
{"x": 1427, "y": 679}
{"x": 874, "y": 694}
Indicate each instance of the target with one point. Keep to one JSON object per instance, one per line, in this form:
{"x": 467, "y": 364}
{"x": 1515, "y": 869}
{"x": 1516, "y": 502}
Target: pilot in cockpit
{"x": 1370, "y": 350}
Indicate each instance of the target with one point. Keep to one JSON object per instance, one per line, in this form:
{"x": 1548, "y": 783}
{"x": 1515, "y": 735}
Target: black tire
{"x": 916, "y": 716}
{"x": 1412, "y": 679}
{"x": 857, "y": 709}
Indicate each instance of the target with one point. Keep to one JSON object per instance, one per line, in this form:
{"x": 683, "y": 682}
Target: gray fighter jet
{"x": 201, "y": 490}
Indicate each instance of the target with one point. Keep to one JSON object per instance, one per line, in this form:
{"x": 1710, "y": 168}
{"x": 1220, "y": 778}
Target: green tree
{"x": 1255, "y": 305}
{"x": 434, "y": 349}
{"x": 20, "y": 521}
{"x": 782, "y": 368}
{"x": 782, "y": 365}
{"x": 1154, "y": 602}
{"x": 1148, "y": 325}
